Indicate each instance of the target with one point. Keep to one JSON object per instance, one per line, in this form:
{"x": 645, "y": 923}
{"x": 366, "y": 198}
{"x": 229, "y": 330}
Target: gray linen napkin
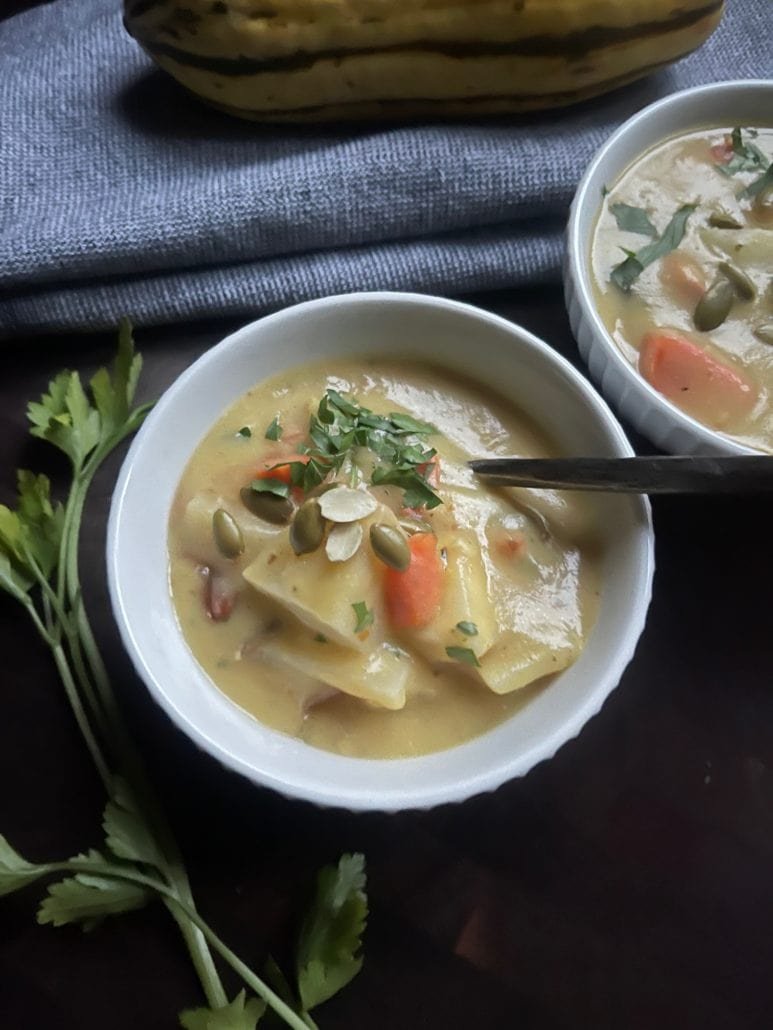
{"x": 120, "y": 194}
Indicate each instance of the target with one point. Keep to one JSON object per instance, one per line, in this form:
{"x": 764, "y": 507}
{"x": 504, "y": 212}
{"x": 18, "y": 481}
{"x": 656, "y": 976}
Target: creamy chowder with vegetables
{"x": 682, "y": 260}
{"x": 339, "y": 572}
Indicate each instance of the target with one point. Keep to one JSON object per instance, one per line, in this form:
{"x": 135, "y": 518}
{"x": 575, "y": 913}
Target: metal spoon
{"x": 645, "y": 475}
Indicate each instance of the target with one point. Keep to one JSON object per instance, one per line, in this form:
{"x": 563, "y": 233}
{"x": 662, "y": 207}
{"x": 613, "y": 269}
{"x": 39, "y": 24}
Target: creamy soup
{"x": 341, "y": 575}
{"x": 682, "y": 262}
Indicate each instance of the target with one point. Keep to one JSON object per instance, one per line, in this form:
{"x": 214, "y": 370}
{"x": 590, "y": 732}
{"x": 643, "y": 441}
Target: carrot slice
{"x": 413, "y": 597}
{"x": 280, "y": 472}
{"x": 694, "y": 380}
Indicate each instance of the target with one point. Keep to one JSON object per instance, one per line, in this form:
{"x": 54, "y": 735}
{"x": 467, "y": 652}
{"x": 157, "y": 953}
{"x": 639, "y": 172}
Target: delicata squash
{"x": 315, "y": 60}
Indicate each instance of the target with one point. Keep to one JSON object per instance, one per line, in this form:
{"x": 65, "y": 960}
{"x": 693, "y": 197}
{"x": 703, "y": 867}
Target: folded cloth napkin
{"x": 120, "y": 194}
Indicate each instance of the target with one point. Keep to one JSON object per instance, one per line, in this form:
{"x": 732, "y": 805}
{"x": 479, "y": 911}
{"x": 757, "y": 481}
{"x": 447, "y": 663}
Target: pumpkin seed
{"x": 227, "y": 534}
{"x": 344, "y": 504}
{"x": 343, "y": 541}
{"x": 724, "y": 220}
{"x": 743, "y": 285}
{"x": 714, "y": 306}
{"x": 308, "y": 528}
{"x": 271, "y": 507}
{"x": 764, "y": 332}
{"x": 390, "y": 546}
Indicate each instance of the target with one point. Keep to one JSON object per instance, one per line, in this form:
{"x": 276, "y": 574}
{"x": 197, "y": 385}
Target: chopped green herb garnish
{"x": 245, "y": 431}
{"x": 321, "y": 638}
{"x": 766, "y": 179}
{"x": 605, "y": 190}
{"x": 633, "y": 219}
{"x": 746, "y": 157}
{"x": 270, "y": 486}
{"x": 627, "y": 272}
{"x": 341, "y": 427}
{"x": 274, "y": 431}
{"x": 468, "y": 628}
{"x": 363, "y": 616}
{"x": 463, "y": 654}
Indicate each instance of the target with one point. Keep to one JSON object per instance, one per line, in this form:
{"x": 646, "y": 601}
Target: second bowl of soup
{"x": 670, "y": 269}
{"x": 323, "y": 595}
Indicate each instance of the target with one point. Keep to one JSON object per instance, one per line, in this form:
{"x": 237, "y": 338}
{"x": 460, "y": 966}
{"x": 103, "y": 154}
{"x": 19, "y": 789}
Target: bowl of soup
{"x": 321, "y": 594}
{"x": 669, "y": 270}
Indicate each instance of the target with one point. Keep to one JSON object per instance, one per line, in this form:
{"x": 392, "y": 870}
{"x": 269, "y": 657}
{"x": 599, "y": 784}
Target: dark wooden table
{"x": 627, "y": 884}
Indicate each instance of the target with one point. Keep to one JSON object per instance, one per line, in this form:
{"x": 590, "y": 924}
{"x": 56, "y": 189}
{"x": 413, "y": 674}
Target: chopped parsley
{"x": 341, "y": 426}
{"x": 270, "y": 486}
{"x": 766, "y": 179}
{"x": 627, "y": 272}
{"x": 463, "y": 654}
{"x": 468, "y": 628}
{"x": 274, "y": 431}
{"x": 633, "y": 219}
{"x": 363, "y": 616}
{"x": 746, "y": 157}
{"x": 245, "y": 431}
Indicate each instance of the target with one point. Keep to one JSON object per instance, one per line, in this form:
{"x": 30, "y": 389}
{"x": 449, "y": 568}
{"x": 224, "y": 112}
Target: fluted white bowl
{"x": 724, "y": 103}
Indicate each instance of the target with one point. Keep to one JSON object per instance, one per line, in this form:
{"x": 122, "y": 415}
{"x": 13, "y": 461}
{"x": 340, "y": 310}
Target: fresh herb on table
{"x": 627, "y": 272}
{"x": 341, "y": 427}
{"x": 139, "y": 859}
{"x": 633, "y": 219}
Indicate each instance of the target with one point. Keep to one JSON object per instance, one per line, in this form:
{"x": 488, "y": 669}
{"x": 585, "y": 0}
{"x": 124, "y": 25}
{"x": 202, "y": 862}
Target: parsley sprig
{"x": 139, "y": 859}
{"x": 746, "y": 156}
{"x": 341, "y": 426}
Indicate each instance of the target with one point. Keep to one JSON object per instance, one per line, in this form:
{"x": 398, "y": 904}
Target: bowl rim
{"x": 578, "y": 254}
{"x": 641, "y": 546}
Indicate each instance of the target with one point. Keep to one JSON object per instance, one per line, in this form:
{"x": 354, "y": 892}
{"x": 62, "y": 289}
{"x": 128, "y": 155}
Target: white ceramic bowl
{"x": 480, "y": 346}
{"x": 723, "y": 103}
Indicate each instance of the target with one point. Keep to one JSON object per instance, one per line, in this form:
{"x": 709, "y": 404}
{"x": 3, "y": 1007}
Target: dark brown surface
{"x": 627, "y": 884}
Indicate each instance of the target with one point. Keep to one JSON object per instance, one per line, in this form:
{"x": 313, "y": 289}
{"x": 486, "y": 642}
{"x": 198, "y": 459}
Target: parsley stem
{"x": 79, "y": 865}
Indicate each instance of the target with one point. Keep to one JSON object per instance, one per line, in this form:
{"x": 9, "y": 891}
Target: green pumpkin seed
{"x": 390, "y": 546}
{"x": 227, "y": 534}
{"x": 308, "y": 528}
{"x": 764, "y": 332}
{"x": 743, "y": 285}
{"x": 723, "y": 220}
{"x": 714, "y": 306}
{"x": 271, "y": 507}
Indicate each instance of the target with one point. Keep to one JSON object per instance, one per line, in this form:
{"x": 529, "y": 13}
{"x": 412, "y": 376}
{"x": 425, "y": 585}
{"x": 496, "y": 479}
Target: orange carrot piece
{"x": 683, "y": 277}
{"x": 694, "y": 380}
{"x": 280, "y": 472}
{"x": 413, "y": 597}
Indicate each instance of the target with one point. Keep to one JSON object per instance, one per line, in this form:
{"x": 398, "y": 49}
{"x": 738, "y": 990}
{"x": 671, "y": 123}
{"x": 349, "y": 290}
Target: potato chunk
{"x": 518, "y": 659}
{"x": 465, "y": 599}
{"x": 378, "y": 676}
{"x": 319, "y": 592}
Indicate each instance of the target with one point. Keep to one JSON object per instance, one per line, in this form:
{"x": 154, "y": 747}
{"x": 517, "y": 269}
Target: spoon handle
{"x": 646, "y": 475}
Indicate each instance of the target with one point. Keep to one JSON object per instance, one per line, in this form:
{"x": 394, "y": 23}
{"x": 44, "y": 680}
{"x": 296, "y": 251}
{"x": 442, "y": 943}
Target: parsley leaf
{"x": 463, "y": 654}
{"x": 15, "y": 872}
{"x": 331, "y": 936}
{"x": 468, "y": 628}
{"x": 633, "y": 219}
{"x": 274, "y": 431}
{"x": 625, "y": 274}
{"x": 87, "y": 899}
{"x": 126, "y": 832}
{"x": 270, "y": 486}
{"x": 245, "y": 431}
{"x": 364, "y": 617}
{"x": 240, "y": 1014}
{"x": 766, "y": 179}
{"x": 746, "y": 156}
